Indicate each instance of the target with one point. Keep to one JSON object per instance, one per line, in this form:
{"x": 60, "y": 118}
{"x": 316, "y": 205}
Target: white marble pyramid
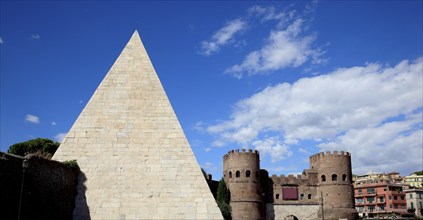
{"x": 135, "y": 160}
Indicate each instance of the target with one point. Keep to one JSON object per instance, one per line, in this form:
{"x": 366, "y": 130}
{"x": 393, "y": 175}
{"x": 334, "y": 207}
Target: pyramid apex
{"x": 135, "y": 35}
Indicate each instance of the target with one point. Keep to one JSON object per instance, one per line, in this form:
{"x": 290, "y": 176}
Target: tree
{"x": 41, "y": 146}
{"x": 223, "y": 198}
{"x": 418, "y": 172}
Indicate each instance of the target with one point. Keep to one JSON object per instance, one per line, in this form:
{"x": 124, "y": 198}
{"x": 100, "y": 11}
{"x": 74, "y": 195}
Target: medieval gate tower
{"x": 334, "y": 184}
{"x": 324, "y": 191}
{"x": 242, "y": 176}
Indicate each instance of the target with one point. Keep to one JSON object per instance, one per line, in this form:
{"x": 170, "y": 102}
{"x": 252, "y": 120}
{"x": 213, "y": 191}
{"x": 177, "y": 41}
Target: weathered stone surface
{"x": 135, "y": 160}
{"x": 283, "y": 212}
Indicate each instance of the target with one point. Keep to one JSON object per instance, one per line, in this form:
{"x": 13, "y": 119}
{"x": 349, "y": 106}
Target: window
{"x": 371, "y": 208}
{"x": 277, "y": 196}
{"x": 309, "y": 196}
{"x": 421, "y": 205}
{"x": 301, "y": 196}
{"x": 323, "y": 178}
{"x": 371, "y": 191}
{"x": 412, "y": 205}
{"x": 402, "y": 197}
{"x": 395, "y": 206}
{"x": 256, "y": 174}
{"x": 334, "y": 177}
{"x": 248, "y": 173}
{"x": 382, "y": 207}
{"x": 344, "y": 177}
{"x": 230, "y": 174}
{"x": 381, "y": 199}
{"x": 395, "y": 197}
{"x": 370, "y": 199}
{"x": 360, "y": 209}
{"x": 411, "y": 196}
{"x": 237, "y": 174}
{"x": 384, "y": 189}
{"x": 360, "y": 192}
{"x": 390, "y": 198}
{"x": 390, "y": 206}
{"x": 359, "y": 200}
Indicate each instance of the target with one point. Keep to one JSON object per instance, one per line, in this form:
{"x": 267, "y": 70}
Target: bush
{"x": 72, "y": 164}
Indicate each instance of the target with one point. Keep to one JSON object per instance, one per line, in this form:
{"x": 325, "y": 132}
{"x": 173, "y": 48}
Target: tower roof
{"x": 134, "y": 157}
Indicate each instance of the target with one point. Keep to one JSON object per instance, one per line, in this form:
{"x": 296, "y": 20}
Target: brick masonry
{"x": 135, "y": 160}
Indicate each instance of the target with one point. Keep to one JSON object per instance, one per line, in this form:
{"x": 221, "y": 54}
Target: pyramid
{"x": 135, "y": 160}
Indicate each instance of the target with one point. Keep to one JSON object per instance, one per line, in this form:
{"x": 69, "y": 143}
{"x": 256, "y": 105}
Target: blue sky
{"x": 287, "y": 78}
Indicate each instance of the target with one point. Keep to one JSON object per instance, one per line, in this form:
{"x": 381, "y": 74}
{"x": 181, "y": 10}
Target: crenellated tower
{"x": 242, "y": 177}
{"x": 334, "y": 178}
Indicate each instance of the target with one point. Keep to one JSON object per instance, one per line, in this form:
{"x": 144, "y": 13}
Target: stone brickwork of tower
{"x": 242, "y": 176}
{"x": 135, "y": 160}
{"x": 334, "y": 177}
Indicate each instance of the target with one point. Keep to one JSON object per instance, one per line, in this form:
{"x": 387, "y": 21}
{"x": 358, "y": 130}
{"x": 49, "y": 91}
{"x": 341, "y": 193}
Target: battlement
{"x": 290, "y": 179}
{"x": 330, "y": 154}
{"x": 237, "y": 153}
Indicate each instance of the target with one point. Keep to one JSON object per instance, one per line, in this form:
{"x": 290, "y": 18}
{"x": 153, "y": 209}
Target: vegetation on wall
{"x": 40, "y": 146}
{"x": 223, "y": 198}
{"x": 72, "y": 164}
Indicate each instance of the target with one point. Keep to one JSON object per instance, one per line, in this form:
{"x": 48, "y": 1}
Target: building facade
{"x": 380, "y": 199}
{"x": 414, "y": 181}
{"x": 324, "y": 191}
{"x": 414, "y": 199}
{"x": 392, "y": 177}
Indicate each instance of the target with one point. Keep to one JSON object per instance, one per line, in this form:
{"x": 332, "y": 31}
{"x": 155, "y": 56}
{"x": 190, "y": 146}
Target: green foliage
{"x": 72, "y": 164}
{"x": 40, "y": 146}
{"x": 419, "y": 172}
{"x": 223, "y": 198}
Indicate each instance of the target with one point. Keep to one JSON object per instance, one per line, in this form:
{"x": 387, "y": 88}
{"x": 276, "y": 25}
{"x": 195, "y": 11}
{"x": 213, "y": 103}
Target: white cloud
{"x": 269, "y": 13}
{"x": 346, "y": 105}
{"x": 80, "y": 102}
{"x": 393, "y": 145}
{"x": 210, "y": 167}
{"x": 1, "y": 40}
{"x": 53, "y": 123}
{"x": 222, "y": 37}
{"x": 304, "y": 151}
{"x": 32, "y": 119}
{"x": 35, "y": 36}
{"x": 59, "y": 137}
{"x": 273, "y": 147}
{"x": 285, "y": 47}
{"x": 208, "y": 149}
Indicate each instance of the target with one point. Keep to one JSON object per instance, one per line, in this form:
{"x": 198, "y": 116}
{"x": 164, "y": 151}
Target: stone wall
{"x": 32, "y": 187}
{"x": 282, "y": 212}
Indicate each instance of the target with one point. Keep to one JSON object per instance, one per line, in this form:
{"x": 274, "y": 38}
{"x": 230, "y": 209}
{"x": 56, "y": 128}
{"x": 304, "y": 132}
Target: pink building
{"x": 380, "y": 199}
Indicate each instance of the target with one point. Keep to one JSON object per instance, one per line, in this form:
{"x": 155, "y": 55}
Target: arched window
{"x": 277, "y": 196}
{"x": 309, "y": 196}
{"x": 230, "y": 174}
{"x": 334, "y": 177}
{"x": 301, "y": 196}
{"x": 237, "y": 174}
{"x": 248, "y": 173}
{"x": 344, "y": 177}
{"x": 323, "y": 178}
